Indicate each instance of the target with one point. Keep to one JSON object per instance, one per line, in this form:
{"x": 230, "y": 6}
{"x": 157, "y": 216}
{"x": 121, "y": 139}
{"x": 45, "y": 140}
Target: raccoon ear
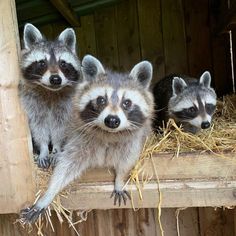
{"x": 178, "y": 85}
{"x": 68, "y": 38}
{"x": 91, "y": 67}
{"x": 31, "y": 35}
{"x": 205, "y": 79}
{"x": 142, "y": 72}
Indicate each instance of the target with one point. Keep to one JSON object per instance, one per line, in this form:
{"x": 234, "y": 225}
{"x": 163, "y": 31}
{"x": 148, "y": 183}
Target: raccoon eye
{"x": 42, "y": 63}
{"x": 210, "y": 108}
{"x": 62, "y": 64}
{"x": 191, "y": 109}
{"x": 101, "y": 101}
{"x": 127, "y": 104}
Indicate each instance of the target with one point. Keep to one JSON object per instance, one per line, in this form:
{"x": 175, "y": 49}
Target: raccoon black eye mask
{"x": 188, "y": 101}
{"x": 112, "y": 119}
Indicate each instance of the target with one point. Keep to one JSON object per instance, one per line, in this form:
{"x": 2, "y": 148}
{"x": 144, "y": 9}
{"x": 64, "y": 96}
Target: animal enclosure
{"x": 177, "y": 36}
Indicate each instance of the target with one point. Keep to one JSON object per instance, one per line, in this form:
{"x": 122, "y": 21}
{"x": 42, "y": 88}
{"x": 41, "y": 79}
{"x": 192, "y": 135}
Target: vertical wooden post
{"x": 16, "y": 176}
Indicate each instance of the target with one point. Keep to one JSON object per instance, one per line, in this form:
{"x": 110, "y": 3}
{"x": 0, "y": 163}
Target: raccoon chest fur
{"x": 48, "y": 112}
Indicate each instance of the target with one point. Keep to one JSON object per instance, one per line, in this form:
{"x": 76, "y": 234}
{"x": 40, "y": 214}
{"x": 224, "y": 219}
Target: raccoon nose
{"x": 55, "y": 80}
{"x": 205, "y": 125}
{"x": 112, "y": 121}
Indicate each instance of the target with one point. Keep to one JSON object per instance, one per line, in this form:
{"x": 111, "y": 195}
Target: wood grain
{"x": 106, "y": 38}
{"x": 127, "y": 35}
{"x": 151, "y": 37}
{"x": 17, "y": 182}
{"x": 198, "y": 36}
{"x": 174, "y": 37}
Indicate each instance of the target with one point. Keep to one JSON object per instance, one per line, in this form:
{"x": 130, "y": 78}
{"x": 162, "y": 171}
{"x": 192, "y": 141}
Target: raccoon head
{"x": 193, "y": 103}
{"x": 114, "y": 102}
{"x": 52, "y": 65}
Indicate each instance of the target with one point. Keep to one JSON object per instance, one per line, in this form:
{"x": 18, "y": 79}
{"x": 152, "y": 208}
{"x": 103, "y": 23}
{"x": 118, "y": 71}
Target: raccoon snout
{"x": 205, "y": 125}
{"x": 55, "y": 80}
{"x": 112, "y": 121}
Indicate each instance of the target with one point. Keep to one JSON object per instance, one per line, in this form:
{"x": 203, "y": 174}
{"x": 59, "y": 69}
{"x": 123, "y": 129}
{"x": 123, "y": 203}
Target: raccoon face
{"x": 115, "y": 102}
{"x": 52, "y": 65}
{"x": 193, "y": 104}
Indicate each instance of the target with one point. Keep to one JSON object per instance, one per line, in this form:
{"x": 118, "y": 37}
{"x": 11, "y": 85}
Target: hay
{"x": 219, "y": 139}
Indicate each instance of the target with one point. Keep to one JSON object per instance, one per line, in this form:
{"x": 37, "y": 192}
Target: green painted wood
{"x": 40, "y": 12}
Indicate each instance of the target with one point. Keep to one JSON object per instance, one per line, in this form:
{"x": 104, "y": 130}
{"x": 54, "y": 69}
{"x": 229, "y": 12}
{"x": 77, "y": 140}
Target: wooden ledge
{"x": 174, "y": 194}
{"x": 189, "y": 180}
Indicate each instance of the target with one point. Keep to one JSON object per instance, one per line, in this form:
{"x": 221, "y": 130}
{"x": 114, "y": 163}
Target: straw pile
{"x": 219, "y": 139}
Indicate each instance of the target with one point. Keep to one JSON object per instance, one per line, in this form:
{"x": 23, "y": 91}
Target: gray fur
{"x": 48, "y": 109}
{"x": 88, "y": 145}
{"x": 175, "y": 95}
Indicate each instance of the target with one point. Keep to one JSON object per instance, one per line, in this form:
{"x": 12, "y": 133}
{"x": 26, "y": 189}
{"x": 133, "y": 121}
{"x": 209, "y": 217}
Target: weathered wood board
{"x": 17, "y": 182}
{"x": 187, "y": 181}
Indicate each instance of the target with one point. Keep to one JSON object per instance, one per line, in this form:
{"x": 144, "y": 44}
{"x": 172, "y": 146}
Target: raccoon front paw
{"x": 30, "y": 214}
{"x": 120, "y": 195}
{"x": 44, "y": 163}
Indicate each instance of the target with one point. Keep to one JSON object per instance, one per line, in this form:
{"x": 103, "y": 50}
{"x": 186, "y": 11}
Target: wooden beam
{"x": 187, "y": 181}
{"x": 174, "y": 194}
{"x": 63, "y": 6}
{"x": 17, "y": 182}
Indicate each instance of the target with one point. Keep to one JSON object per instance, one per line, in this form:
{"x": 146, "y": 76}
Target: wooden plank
{"x": 174, "y": 37}
{"x": 188, "y": 166}
{"x": 188, "y": 222}
{"x": 168, "y": 221}
{"x": 174, "y": 194}
{"x": 222, "y": 73}
{"x": 86, "y": 36}
{"x": 128, "y": 36}
{"x": 217, "y": 222}
{"x": 64, "y": 7}
{"x": 105, "y": 30}
{"x": 198, "y": 36}
{"x": 17, "y": 182}
{"x": 151, "y": 38}
{"x": 227, "y": 17}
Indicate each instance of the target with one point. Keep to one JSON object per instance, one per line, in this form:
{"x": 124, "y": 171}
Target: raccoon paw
{"x": 120, "y": 195}
{"x": 30, "y": 214}
{"x": 44, "y": 163}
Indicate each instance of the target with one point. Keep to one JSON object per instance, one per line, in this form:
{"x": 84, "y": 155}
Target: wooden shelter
{"x": 180, "y": 36}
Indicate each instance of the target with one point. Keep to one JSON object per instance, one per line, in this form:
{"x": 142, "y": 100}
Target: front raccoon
{"x": 188, "y": 101}
{"x": 50, "y": 71}
{"x": 112, "y": 119}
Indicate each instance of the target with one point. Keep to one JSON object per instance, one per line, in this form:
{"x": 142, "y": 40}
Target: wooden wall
{"x": 176, "y": 36}
{"x": 192, "y": 222}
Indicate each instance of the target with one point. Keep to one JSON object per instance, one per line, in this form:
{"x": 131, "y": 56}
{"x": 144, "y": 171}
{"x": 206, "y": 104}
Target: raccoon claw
{"x": 119, "y": 196}
{"x": 53, "y": 162}
{"x": 44, "y": 163}
{"x": 30, "y": 214}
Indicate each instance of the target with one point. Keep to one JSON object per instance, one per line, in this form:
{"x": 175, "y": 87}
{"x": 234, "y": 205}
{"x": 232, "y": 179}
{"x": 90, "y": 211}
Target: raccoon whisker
{"x": 39, "y": 76}
{"x": 161, "y": 109}
{"x": 135, "y": 124}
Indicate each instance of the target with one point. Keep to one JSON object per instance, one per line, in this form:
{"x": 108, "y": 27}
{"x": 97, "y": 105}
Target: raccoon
{"x": 189, "y": 101}
{"x": 111, "y": 120}
{"x": 51, "y": 70}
